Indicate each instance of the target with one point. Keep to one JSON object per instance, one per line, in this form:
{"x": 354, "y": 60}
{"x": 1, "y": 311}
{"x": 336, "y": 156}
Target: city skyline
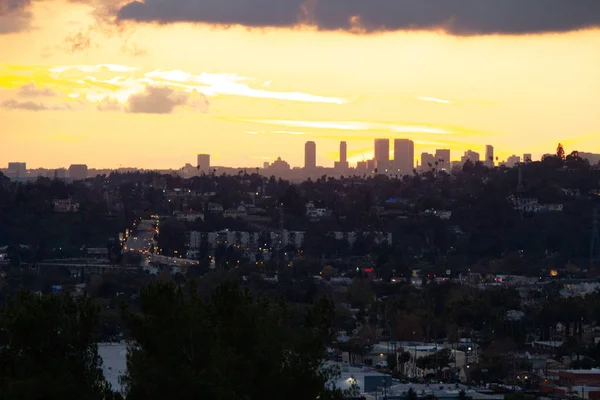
{"x": 81, "y": 84}
{"x": 388, "y": 162}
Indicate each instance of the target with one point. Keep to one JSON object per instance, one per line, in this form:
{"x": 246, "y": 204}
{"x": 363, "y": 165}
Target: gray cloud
{"x": 31, "y": 90}
{"x": 458, "y": 17}
{"x": 33, "y": 106}
{"x": 160, "y": 100}
{"x": 156, "y": 100}
{"x": 13, "y": 20}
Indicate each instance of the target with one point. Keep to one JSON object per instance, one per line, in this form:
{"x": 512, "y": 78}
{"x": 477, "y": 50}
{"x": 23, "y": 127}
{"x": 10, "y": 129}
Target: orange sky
{"x": 246, "y": 96}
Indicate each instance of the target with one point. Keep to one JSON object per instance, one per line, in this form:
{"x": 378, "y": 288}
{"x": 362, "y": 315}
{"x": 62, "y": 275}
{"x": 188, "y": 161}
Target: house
{"x": 314, "y": 212}
{"x": 238, "y": 212}
{"x": 65, "y": 206}
{"x": 190, "y": 216}
{"x": 215, "y": 208}
{"x": 583, "y": 383}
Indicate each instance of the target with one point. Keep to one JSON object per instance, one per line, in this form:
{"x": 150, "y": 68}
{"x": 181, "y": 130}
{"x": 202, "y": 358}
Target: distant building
{"x": 78, "y": 172}
{"x": 362, "y": 166}
{"x": 342, "y": 164}
{"x": 427, "y": 161}
{"x": 593, "y": 159}
{"x": 204, "y": 163}
{"x": 527, "y": 157}
{"x": 279, "y": 166}
{"x": 310, "y": 155}
{"x": 382, "y": 154}
{"x": 513, "y": 161}
{"x": 65, "y": 206}
{"x": 470, "y": 156}
{"x": 404, "y": 155}
{"x": 17, "y": 170}
{"x": 60, "y": 173}
{"x": 442, "y": 156}
{"x": 489, "y": 156}
{"x": 371, "y": 165}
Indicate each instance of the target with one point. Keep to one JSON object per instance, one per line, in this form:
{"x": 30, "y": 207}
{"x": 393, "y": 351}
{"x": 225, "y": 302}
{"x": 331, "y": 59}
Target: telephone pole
{"x": 595, "y": 243}
{"x": 280, "y": 236}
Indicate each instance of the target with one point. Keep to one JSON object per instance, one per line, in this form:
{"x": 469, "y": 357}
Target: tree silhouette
{"x": 48, "y": 349}
{"x": 233, "y": 346}
{"x": 560, "y": 152}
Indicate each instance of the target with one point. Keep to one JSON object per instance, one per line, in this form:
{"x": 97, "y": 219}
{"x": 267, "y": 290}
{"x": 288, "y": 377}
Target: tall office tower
{"x": 343, "y": 163}
{"x": 78, "y": 172}
{"x": 204, "y": 163}
{"x": 427, "y": 162}
{"x": 17, "y": 170}
{"x": 442, "y": 156}
{"x": 404, "y": 155}
{"x": 489, "y": 156}
{"x": 382, "y": 154}
{"x": 310, "y": 155}
{"x": 527, "y": 157}
{"x": 343, "y": 152}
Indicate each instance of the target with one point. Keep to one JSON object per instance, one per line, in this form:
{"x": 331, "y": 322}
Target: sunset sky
{"x": 152, "y": 84}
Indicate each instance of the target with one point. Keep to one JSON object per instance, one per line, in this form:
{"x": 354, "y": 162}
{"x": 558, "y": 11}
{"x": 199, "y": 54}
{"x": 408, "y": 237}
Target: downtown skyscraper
{"x": 404, "y": 156}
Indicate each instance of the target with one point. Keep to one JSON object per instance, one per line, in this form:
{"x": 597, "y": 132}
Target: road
{"x": 142, "y": 242}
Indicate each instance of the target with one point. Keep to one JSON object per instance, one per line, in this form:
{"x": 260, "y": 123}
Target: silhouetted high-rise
{"x": 343, "y": 163}
{"x": 310, "y": 155}
{"x": 382, "y": 153}
{"x": 17, "y": 170}
{"x": 442, "y": 156}
{"x": 427, "y": 162}
{"x": 470, "y": 155}
{"x": 404, "y": 155}
{"x": 527, "y": 157}
{"x": 78, "y": 172}
{"x": 204, "y": 163}
{"x": 489, "y": 156}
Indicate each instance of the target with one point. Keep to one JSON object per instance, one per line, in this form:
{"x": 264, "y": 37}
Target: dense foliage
{"x": 48, "y": 349}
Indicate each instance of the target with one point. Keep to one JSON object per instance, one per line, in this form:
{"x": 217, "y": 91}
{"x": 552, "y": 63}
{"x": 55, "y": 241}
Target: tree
{"x": 411, "y": 394}
{"x": 48, "y": 349}
{"x": 560, "y": 152}
{"x": 232, "y": 346}
{"x": 392, "y": 362}
{"x": 437, "y": 361}
{"x": 403, "y": 358}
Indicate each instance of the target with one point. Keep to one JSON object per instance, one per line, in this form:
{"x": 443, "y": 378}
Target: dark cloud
{"x": 31, "y": 90}
{"x": 458, "y": 17}
{"x": 14, "y": 16}
{"x": 33, "y": 106}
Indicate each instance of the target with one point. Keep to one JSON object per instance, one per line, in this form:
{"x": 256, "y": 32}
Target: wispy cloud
{"x": 32, "y": 90}
{"x": 359, "y": 126}
{"x": 434, "y": 100}
{"x": 33, "y": 106}
{"x": 235, "y": 85}
{"x": 290, "y": 133}
{"x": 78, "y": 42}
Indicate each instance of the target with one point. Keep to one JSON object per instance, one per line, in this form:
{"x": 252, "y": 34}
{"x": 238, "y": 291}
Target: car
{"x": 381, "y": 364}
